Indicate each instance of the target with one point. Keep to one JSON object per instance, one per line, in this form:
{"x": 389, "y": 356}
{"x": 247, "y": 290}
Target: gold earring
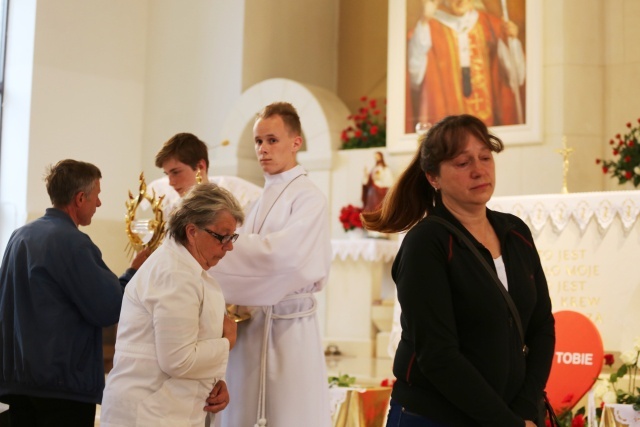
{"x": 198, "y": 177}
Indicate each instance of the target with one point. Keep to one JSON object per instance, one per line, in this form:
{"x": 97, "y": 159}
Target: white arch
{"x": 322, "y": 114}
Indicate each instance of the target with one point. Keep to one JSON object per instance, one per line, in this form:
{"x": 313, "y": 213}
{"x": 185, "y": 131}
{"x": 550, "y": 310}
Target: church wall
{"x": 621, "y": 71}
{"x": 290, "y": 39}
{"x": 362, "y": 51}
{"x": 87, "y": 94}
{"x": 193, "y": 72}
{"x": 87, "y": 103}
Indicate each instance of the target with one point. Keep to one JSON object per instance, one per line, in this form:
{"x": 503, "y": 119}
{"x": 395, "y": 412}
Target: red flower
{"x": 618, "y": 135}
{"x": 630, "y": 144}
{"x": 386, "y": 383}
{"x": 608, "y": 359}
{"x": 578, "y": 421}
{"x": 597, "y": 161}
{"x": 627, "y": 159}
{"x": 628, "y": 174}
{"x": 615, "y": 151}
{"x": 629, "y": 124}
{"x": 611, "y": 142}
{"x": 605, "y": 169}
{"x": 370, "y": 128}
{"x": 350, "y": 217}
{"x": 355, "y": 219}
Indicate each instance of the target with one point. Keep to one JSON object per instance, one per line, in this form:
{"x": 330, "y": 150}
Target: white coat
{"x": 169, "y": 347}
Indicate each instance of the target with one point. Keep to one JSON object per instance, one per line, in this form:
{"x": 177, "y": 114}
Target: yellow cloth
{"x": 363, "y": 408}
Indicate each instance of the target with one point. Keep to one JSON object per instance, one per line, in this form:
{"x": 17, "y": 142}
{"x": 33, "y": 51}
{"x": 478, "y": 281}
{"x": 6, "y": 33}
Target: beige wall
{"x": 193, "y": 72}
{"x": 591, "y": 63}
{"x": 621, "y": 73}
{"x": 290, "y": 39}
{"x": 362, "y": 51}
{"x": 87, "y": 99}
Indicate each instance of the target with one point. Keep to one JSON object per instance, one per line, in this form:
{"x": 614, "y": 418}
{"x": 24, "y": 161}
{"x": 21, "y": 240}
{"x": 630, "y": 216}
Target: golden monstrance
{"x": 149, "y": 231}
{"x": 146, "y": 232}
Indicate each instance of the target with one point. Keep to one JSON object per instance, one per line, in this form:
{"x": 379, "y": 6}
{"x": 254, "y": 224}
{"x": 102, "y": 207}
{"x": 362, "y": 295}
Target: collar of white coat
{"x": 283, "y": 177}
{"x": 459, "y": 24}
{"x": 183, "y": 254}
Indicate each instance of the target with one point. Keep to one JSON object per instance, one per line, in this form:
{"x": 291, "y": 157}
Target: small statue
{"x": 375, "y": 184}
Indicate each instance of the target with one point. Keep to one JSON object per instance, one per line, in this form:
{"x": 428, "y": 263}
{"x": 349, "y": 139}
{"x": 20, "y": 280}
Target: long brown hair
{"x": 412, "y": 197}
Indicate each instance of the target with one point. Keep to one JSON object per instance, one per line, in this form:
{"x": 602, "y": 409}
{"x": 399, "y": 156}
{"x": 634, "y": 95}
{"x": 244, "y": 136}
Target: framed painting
{"x": 480, "y": 57}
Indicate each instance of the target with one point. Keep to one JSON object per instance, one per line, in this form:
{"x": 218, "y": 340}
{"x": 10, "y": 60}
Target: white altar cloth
{"x": 371, "y": 250}
{"x": 589, "y": 245}
{"x": 559, "y": 210}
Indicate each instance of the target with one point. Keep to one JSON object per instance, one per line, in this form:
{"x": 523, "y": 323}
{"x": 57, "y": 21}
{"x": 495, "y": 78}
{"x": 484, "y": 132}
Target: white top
{"x": 169, "y": 348}
{"x": 501, "y": 271}
{"x": 284, "y": 245}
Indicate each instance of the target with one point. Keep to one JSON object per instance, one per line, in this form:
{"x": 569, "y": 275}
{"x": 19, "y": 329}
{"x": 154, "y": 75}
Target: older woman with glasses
{"x": 173, "y": 338}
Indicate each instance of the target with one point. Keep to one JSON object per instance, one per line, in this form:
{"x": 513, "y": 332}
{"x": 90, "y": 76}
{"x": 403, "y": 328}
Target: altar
{"x": 589, "y": 245}
{"x": 359, "y": 284}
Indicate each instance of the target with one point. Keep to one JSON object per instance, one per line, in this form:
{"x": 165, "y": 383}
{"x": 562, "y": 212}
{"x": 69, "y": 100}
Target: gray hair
{"x": 200, "y": 207}
{"x": 69, "y": 177}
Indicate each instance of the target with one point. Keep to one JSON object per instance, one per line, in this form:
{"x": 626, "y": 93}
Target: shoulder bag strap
{"x": 492, "y": 273}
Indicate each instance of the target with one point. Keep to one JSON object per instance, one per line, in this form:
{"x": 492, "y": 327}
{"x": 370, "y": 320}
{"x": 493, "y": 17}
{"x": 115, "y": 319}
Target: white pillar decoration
{"x": 323, "y": 116}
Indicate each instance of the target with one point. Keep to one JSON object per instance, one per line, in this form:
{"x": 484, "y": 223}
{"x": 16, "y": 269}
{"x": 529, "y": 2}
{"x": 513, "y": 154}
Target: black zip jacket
{"x": 460, "y": 359}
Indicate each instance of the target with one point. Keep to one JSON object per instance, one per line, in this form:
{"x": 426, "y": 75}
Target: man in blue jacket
{"x": 56, "y": 295}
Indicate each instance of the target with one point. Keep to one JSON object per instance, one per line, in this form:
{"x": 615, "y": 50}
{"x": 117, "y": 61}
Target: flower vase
{"x": 355, "y": 234}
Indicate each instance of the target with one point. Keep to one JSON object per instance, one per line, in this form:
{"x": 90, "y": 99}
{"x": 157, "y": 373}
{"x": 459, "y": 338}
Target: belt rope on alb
{"x": 268, "y": 318}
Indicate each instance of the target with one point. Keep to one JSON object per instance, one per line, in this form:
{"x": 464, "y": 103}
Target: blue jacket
{"x": 56, "y": 295}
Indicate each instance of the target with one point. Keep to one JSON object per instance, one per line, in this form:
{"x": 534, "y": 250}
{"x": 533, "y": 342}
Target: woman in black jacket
{"x": 460, "y": 361}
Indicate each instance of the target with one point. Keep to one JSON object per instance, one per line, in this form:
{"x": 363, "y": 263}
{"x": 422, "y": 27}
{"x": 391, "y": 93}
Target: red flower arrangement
{"x": 627, "y": 149}
{"x": 369, "y": 129}
{"x": 567, "y": 418}
{"x": 350, "y": 217}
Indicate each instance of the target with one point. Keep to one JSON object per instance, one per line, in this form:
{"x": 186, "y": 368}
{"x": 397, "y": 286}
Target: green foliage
{"x": 343, "y": 380}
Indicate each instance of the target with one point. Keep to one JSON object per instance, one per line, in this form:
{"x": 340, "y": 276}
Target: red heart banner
{"x": 577, "y": 360}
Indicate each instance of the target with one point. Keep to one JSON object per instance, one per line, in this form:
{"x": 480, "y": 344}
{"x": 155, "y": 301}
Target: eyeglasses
{"x": 222, "y": 239}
